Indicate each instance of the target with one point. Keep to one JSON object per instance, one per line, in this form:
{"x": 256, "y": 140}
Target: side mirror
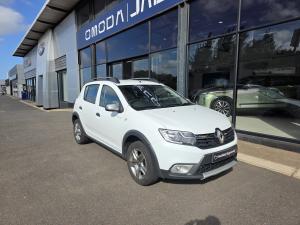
{"x": 113, "y": 108}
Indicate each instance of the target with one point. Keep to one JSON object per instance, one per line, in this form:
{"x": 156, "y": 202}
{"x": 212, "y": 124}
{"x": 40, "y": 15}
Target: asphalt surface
{"x": 47, "y": 179}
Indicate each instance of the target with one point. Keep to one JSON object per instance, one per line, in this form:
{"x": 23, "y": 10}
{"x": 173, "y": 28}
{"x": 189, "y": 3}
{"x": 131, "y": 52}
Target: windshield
{"x": 142, "y": 97}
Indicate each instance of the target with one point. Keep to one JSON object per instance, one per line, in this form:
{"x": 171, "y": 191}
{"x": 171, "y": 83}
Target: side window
{"x": 90, "y": 93}
{"x": 108, "y": 96}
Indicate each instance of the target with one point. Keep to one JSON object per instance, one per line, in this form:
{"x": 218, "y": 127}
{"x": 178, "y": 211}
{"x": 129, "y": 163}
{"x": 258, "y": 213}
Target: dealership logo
{"x": 27, "y": 62}
{"x": 41, "y": 49}
{"x": 121, "y": 16}
{"x": 220, "y": 135}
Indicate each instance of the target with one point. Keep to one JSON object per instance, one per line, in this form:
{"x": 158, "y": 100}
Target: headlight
{"x": 178, "y": 137}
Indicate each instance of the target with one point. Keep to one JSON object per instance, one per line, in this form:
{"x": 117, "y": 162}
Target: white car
{"x": 160, "y": 133}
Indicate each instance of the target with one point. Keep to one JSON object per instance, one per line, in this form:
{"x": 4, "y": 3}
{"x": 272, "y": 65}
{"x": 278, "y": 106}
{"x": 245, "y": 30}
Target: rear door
{"x": 88, "y": 109}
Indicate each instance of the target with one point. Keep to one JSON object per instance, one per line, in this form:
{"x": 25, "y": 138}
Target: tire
{"x": 222, "y": 105}
{"x": 79, "y": 134}
{"x": 141, "y": 164}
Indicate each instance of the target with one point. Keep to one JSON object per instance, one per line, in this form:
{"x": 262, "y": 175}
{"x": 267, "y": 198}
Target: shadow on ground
{"x": 210, "y": 220}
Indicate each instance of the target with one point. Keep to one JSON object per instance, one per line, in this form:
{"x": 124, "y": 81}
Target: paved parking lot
{"x": 47, "y": 179}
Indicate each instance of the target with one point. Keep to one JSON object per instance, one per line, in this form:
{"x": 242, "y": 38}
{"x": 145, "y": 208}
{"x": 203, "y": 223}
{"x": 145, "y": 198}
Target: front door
{"x": 110, "y": 126}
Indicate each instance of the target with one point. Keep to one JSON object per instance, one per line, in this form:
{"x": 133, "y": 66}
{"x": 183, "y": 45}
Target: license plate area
{"x": 220, "y": 156}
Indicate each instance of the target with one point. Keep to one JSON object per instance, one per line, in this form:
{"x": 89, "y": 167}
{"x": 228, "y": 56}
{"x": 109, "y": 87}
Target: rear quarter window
{"x": 90, "y": 93}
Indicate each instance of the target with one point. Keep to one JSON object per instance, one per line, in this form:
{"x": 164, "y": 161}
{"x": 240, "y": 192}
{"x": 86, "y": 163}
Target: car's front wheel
{"x": 79, "y": 134}
{"x": 140, "y": 164}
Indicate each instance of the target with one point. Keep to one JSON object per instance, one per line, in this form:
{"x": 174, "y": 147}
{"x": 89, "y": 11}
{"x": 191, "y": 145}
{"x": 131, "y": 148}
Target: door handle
{"x": 80, "y": 107}
{"x": 98, "y": 114}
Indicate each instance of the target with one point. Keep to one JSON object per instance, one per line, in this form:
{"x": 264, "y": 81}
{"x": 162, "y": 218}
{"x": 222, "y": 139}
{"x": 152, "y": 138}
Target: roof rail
{"x": 145, "y": 78}
{"x": 112, "y": 79}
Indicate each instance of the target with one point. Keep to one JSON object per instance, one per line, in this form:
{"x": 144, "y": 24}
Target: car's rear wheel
{"x": 79, "y": 134}
{"x": 140, "y": 164}
{"x": 222, "y": 105}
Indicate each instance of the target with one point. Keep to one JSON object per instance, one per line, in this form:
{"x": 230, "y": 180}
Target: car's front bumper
{"x": 207, "y": 166}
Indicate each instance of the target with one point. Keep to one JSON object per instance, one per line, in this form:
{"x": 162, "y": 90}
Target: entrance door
{"x": 62, "y": 89}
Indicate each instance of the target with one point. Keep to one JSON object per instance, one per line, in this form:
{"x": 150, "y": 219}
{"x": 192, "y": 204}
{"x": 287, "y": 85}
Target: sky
{"x": 15, "y": 18}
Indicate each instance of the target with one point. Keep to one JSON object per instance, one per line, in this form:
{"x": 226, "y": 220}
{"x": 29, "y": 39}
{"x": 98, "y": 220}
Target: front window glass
{"x": 101, "y": 70}
{"x": 83, "y": 14}
{"x": 133, "y": 42}
{"x": 260, "y": 12}
{"x": 164, "y": 67}
{"x": 100, "y": 53}
{"x": 211, "y": 74}
{"x": 85, "y": 57}
{"x": 268, "y": 97}
{"x": 210, "y": 18}
{"x": 142, "y": 97}
{"x": 164, "y": 31}
{"x": 108, "y": 96}
{"x": 86, "y": 75}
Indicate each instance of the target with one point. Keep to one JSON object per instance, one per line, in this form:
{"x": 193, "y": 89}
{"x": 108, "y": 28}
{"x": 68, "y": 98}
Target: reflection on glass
{"x": 164, "y": 67}
{"x": 209, "y": 18}
{"x": 141, "y": 68}
{"x": 164, "y": 31}
{"x": 117, "y": 70}
{"x": 85, "y": 57}
{"x": 259, "y": 12}
{"x": 211, "y": 74}
{"x": 130, "y": 43}
{"x": 101, "y": 70}
{"x": 268, "y": 98}
{"x": 83, "y": 14}
{"x": 86, "y": 75}
{"x": 99, "y": 7}
{"x": 100, "y": 53}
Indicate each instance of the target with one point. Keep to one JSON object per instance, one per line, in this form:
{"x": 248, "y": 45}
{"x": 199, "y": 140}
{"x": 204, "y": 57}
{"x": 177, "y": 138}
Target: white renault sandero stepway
{"x": 160, "y": 133}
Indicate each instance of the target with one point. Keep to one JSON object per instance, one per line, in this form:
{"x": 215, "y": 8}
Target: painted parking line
{"x": 297, "y": 124}
{"x": 269, "y": 165}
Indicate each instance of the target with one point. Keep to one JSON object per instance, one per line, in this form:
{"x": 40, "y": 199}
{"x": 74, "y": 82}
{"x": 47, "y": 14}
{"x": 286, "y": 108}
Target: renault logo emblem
{"x": 219, "y": 134}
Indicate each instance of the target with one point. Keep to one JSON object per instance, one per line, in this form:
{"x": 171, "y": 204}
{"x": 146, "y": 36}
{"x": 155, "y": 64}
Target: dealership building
{"x": 239, "y": 57}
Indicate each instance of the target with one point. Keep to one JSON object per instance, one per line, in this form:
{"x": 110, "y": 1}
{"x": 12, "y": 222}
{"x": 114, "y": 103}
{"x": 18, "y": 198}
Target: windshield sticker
{"x": 152, "y": 98}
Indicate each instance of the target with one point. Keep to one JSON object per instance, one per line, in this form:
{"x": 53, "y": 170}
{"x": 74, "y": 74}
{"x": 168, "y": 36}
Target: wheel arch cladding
{"x": 134, "y": 135}
{"x": 75, "y": 116}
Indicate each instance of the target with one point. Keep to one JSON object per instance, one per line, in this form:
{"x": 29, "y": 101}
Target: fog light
{"x": 181, "y": 168}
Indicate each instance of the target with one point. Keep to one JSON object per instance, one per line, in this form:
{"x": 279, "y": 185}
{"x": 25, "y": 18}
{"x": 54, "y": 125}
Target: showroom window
{"x": 261, "y": 12}
{"x": 209, "y": 18}
{"x": 268, "y": 91}
{"x": 85, "y": 57}
{"x": 164, "y": 31}
{"x": 164, "y": 67}
{"x": 211, "y": 74}
{"x": 109, "y": 4}
{"x": 130, "y": 43}
{"x": 101, "y": 70}
{"x": 83, "y": 14}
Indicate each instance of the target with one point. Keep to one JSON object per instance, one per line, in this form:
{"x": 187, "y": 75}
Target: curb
{"x": 269, "y": 165}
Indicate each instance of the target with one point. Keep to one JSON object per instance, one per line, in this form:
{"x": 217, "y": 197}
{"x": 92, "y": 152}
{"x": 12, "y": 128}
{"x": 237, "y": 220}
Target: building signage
{"x": 123, "y": 16}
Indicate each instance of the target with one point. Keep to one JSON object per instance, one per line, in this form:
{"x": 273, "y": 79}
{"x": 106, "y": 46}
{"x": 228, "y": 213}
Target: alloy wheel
{"x": 223, "y": 107}
{"x": 77, "y": 131}
{"x": 137, "y": 164}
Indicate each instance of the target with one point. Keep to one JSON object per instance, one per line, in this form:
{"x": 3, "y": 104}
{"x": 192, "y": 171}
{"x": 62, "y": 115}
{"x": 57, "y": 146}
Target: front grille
{"x": 211, "y": 166}
{"x": 205, "y": 141}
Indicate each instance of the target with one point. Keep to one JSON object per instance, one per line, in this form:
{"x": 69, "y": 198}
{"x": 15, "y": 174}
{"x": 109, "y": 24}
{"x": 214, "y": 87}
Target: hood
{"x": 193, "y": 118}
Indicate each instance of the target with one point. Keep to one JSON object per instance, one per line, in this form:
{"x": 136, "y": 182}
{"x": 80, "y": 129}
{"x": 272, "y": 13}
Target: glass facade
{"x": 250, "y": 72}
{"x": 85, "y": 61}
